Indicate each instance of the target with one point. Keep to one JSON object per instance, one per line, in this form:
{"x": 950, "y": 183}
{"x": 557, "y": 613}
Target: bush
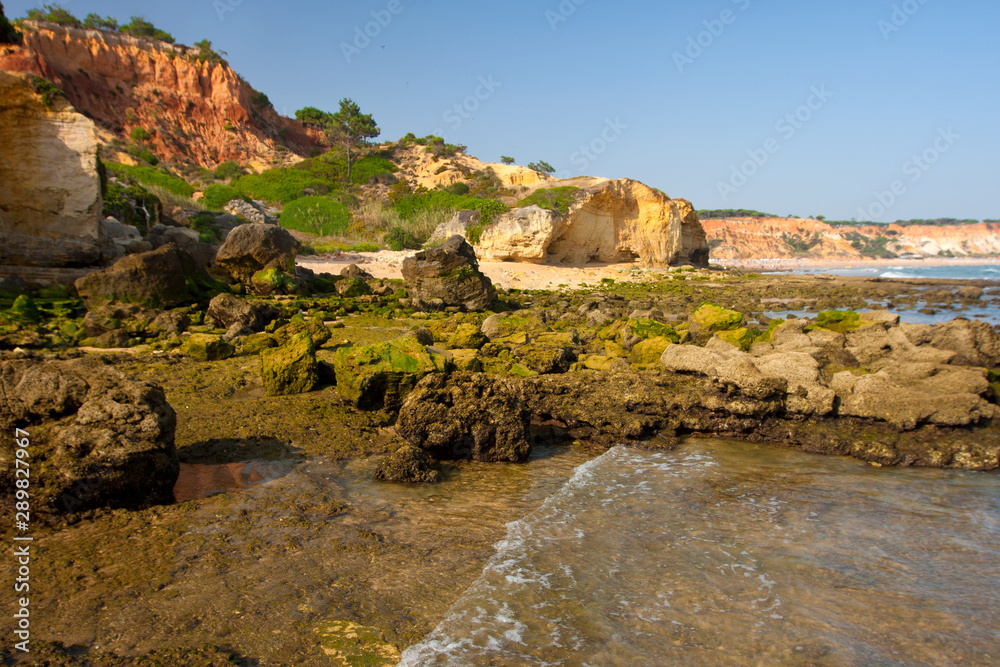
{"x": 370, "y": 167}
{"x": 8, "y": 35}
{"x": 398, "y": 238}
{"x": 440, "y": 200}
{"x": 144, "y": 154}
{"x": 139, "y": 134}
{"x": 140, "y": 27}
{"x": 217, "y": 196}
{"x": 148, "y": 176}
{"x": 54, "y": 14}
{"x": 314, "y": 115}
{"x": 552, "y": 199}
{"x": 131, "y": 204}
{"x": 207, "y": 54}
{"x": 228, "y": 169}
{"x": 458, "y": 188}
{"x": 48, "y": 90}
{"x": 506, "y": 159}
{"x": 275, "y": 185}
{"x": 541, "y": 166}
{"x": 316, "y": 215}
{"x": 96, "y": 22}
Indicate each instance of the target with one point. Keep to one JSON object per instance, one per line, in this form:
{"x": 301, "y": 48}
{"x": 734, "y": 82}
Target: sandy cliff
{"x": 196, "y": 112}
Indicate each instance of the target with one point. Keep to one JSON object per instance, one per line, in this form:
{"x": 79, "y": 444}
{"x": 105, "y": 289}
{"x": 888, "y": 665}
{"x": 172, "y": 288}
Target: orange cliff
{"x": 196, "y": 112}
{"x": 789, "y": 238}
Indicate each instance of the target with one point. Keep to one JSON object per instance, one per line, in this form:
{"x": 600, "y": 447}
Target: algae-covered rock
{"x": 25, "y": 310}
{"x": 270, "y": 281}
{"x": 647, "y": 353}
{"x": 840, "y": 321}
{"x": 467, "y": 337}
{"x": 544, "y": 359}
{"x": 350, "y": 288}
{"x": 468, "y": 416}
{"x": 225, "y": 310}
{"x": 710, "y": 317}
{"x": 165, "y": 277}
{"x": 646, "y": 329}
{"x": 258, "y": 342}
{"x": 408, "y": 464}
{"x": 466, "y": 360}
{"x": 319, "y": 332}
{"x": 449, "y": 272}
{"x": 291, "y": 368}
{"x": 207, "y": 347}
{"x": 597, "y": 362}
{"x": 381, "y": 375}
{"x": 743, "y": 338}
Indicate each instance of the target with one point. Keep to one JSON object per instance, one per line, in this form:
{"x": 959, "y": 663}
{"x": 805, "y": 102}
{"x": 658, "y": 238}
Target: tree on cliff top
{"x": 54, "y": 14}
{"x": 140, "y": 27}
{"x": 7, "y": 33}
{"x": 349, "y": 127}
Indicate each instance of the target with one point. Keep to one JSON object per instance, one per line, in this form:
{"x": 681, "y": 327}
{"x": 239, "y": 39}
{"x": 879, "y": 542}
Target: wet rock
{"x": 252, "y": 248}
{"x": 408, "y": 464}
{"x": 291, "y": 368}
{"x": 468, "y": 337}
{"x": 99, "y": 438}
{"x": 225, "y": 310}
{"x": 467, "y": 416}
{"x": 380, "y": 376}
{"x": 161, "y": 278}
{"x": 255, "y": 343}
{"x": 971, "y": 293}
{"x": 449, "y": 272}
{"x": 206, "y": 347}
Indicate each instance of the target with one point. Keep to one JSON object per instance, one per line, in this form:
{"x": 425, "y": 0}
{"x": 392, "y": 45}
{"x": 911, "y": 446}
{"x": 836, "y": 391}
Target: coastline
{"x": 840, "y": 264}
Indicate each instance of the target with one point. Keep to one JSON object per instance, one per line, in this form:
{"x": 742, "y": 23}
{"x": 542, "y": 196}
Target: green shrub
{"x": 140, "y": 27}
{"x": 48, "y": 90}
{"x": 229, "y": 169}
{"x": 139, "y": 134}
{"x": 458, "y": 188}
{"x": 506, "y": 159}
{"x": 541, "y": 166}
{"x": 97, "y": 22}
{"x": 131, "y": 205}
{"x": 398, "y": 238}
{"x": 144, "y": 154}
{"x": 149, "y": 176}
{"x": 207, "y": 54}
{"x": 371, "y": 166}
{"x": 316, "y": 215}
{"x": 551, "y": 199}
{"x": 217, "y": 196}
{"x": 204, "y": 224}
{"x": 275, "y": 185}
{"x": 54, "y": 14}
{"x": 410, "y": 205}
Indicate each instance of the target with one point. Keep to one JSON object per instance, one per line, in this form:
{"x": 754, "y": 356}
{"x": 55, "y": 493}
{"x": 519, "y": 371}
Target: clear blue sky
{"x": 897, "y": 80}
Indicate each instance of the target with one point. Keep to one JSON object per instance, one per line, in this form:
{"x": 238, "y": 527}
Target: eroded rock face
{"x": 615, "y": 221}
{"x": 449, "y": 273}
{"x": 99, "y": 438}
{"x": 50, "y": 197}
{"x": 252, "y": 248}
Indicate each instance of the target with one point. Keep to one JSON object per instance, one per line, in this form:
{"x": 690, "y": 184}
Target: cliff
{"x": 787, "y": 238}
{"x": 195, "y": 111}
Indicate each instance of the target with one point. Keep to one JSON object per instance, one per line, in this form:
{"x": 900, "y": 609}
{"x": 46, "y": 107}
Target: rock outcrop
{"x": 161, "y": 278}
{"x": 252, "y": 248}
{"x": 50, "y": 191}
{"x": 196, "y": 110}
{"x": 381, "y": 375}
{"x": 99, "y": 438}
{"x": 522, "y": 235}
{"x": 447, "y": 275}
{"x": 225, "y": 310}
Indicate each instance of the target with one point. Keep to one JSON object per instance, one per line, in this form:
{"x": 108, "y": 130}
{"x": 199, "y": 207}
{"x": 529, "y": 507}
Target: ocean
{"x": 727, "y": 553}
{"x": 910, "y": 269}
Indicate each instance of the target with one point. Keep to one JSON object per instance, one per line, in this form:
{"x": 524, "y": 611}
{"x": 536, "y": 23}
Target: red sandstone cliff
{"x": 196, "y": 112}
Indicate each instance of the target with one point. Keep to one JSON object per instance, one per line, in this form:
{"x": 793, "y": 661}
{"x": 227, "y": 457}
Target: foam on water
{"x": 728, "y": 553}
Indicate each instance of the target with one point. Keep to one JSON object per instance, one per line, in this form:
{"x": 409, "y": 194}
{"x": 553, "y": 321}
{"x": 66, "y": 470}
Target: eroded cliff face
{"x": 50, "y": 191}
{"x": 787, "y": 238}
{"x": 614, "y": 221}
{"x": 196, "y": 112}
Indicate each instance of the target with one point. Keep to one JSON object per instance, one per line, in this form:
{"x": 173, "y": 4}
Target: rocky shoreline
{"x": 440, "y": 379}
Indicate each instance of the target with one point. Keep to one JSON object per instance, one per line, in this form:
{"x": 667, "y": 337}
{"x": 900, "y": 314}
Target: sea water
{"x": 728, "y": 553}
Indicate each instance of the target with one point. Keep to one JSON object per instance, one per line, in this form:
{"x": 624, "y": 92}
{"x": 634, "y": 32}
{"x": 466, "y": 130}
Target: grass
{"x": 217, "y": 196}
{"x": 439, "y": 200}
{"x": 149, "y": 177}
{"x": 316, "y": 215}
{"x": 170, "y": 198}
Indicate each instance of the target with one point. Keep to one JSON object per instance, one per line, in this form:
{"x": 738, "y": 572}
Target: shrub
{"x": 506, "y": 159}
{"x": 204, "y": 224}
{"x": 97, "y": 22}
{"x": 143, "y": 154}
{"x": 54, "y": 14}
{"x": 275, "y": 185}
{"x": 314, "y": 115}
{"x": 541, "y": 166}
{"x": 140, "y": 27}
{"x": 148, "y": 176}
{"x": 398, "y": 238}
{"x": 207, "y": 54}
{"x": 370, "y": 167}
{"x": 552, "y": 199}
{"x": 260, "y": 100}
{"x": 458, "y": 188}
{"x": 228, "y": 169}
{"x": 441, "y": 200}
{"x": 139, "y": 134}
{"x": 316, "y": 215}
{"x": 131, "y": 204}
{"x": 217, "y": 196}
{"x": 48, "y": 90}
{"x": 8, "y": 35}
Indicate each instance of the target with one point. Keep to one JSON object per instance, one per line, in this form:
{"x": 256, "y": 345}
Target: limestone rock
{"x": 467, "y": 416}
{"x": 381, "y": 375}
{"x": 449, "y": 272}
{"x": 252, "y": 248}
{"x": 291, "y": 368}
{"x": 99, "y": 438}
{"x": 248, "y": 211}
{"x": 408, "y": 464}
{"x": 521, "y": 235}
{"x": 50, "y": 200}
{"x": 225, "y": 310}
{"x": 458, "y": 224}
{"x": 355, "y": 271}
{"x": 165, "y": 277}
{"x": 207, "y": 347}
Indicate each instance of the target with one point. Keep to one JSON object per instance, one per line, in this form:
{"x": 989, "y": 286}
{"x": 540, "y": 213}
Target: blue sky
{"x": 866, "y": 109}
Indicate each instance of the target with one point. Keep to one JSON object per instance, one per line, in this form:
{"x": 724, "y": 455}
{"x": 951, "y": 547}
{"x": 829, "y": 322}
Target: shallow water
{"x": 727, "y": 553}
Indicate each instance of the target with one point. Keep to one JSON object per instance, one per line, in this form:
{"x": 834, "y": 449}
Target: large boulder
{"x": 252, "y": 248}
{"x": 381, "y": 375}
{"x": 161, "y": 278}
{"x": 98, "y": 437}
{"x": 521, "y": 235}
{"x": 450, "y": 272}
{"x": 50, "y": 197}
{"x": 467, "y": 416}
{"x": 291, "y": 368}
{"x": 225, "y": 310}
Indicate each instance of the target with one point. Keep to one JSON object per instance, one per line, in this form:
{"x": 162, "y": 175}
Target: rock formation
{"x": 613, "y": 221}
{"x": 50, "y": 191}
{"x": 252, "y": 248}
{"x": 447, "y": 275}
{"x": 161, "y": 278}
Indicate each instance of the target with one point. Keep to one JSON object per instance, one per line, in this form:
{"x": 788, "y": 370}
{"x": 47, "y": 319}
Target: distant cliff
{"x": 788, "y": 238}
{"x": 181, "y": 106}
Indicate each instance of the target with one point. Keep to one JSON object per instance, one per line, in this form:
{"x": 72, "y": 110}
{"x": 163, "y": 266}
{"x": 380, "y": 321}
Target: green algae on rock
{"x": 291, "y": 368}
{"x": 207, "y": 347}
{"x": 380, "y": 375}
{"x": 716, "y": 318}
{"x": 647, "y": 353}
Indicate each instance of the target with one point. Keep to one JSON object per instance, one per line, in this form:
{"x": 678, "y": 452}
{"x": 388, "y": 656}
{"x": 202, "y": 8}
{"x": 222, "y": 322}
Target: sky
{"x": 855, "y": 109}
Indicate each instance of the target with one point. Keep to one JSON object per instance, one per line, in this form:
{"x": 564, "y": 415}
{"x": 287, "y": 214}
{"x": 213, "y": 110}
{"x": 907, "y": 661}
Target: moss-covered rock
{"x": 597, "y": 362}
{"x": 206, "y": 347}
{"x": 710, "y": 317}
{"x": 381, "y": 375}
{"x": 256, "y": 343}
{"x": 647, "y": 353}
{"x": 544, "y": 359}
{"x": 408, "y": 464}
{"x": 25, "y": 310}
{"x": 466, "y": 360}
{"x": 351, "y": 288}
{"x": 840, "y": 321}
{"x": 646, "y": 329}
{"x": 270, "y": 281}
{"x": 614, "y": 349}
{"x": 319, "y": 332}
{"x": 291, "y": 368}
{"x": 564, "y": 339}
{"x": 742, "y": 338}
{"x": 467, "y": 337}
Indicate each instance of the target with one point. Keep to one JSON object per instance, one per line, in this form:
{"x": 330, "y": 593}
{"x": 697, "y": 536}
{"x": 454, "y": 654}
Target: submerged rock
{"x": 408, "y": 464}
{"x": 449, "y": 272}
{"x": 98, "y": 437}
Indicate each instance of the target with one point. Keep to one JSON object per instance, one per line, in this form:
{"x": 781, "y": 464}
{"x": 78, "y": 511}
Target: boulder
{"x": 467, "y": 416}
{"x": 408, "y": 464}
{"x": 355, "y": 271}
{"x": 99, "y": 438}
{"x": 710, "y": 317}
{"x": 521, "y": 235}
{"x": 351, "y": 288}
{"x": 449, "y": 272}
{"x": 291, "y": 368}
{"x": 161, "y": 278}
{"x": 647, "y": 353}
{"x": 975, "y": 343}
{"x": 225, "y": 310}
{"x": 128, "y": 238}
{"x": 971, "y": 293}
{"x": 380, "y": 376}
{"x": 252, "y": 248}
{"x": 207, "y": 347}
